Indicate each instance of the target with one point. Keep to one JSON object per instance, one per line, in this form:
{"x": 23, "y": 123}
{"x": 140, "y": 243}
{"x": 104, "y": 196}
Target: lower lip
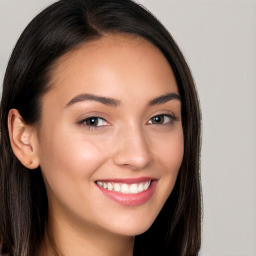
{"x": 130, "y": 199}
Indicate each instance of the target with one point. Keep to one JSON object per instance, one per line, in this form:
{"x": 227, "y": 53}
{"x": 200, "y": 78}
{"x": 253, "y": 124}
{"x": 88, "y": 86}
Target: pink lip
{"x": 129, "y": 180}
{"x": 130, "y": 199}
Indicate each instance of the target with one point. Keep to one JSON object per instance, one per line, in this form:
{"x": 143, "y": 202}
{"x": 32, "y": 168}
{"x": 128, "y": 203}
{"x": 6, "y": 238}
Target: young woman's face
{"x": 110, "y": 139}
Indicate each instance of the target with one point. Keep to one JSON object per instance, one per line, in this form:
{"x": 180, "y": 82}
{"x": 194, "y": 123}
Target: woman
{"x": 100, "y": 136}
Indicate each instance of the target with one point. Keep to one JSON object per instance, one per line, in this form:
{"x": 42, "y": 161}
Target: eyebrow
{"x": 164, "y": 98}
{"x": 114, "y": 102}
{"x": 92, "y": 97}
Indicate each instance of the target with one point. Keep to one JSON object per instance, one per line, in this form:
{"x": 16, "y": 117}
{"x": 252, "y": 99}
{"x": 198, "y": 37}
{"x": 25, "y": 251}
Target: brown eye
{"x": 162, "y": 119}
{"x": 94, "y": 121}
{"x": 158, "y": 119}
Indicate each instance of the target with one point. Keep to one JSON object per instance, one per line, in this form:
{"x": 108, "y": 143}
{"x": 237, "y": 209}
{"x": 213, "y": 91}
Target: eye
{"x": 162, "y": 119}
{"x": 94, "y": 121}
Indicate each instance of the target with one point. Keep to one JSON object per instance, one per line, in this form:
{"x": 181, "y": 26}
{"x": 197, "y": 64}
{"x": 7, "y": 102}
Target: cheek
{"x": 171, "y": 150}
{"x": 67, "y": 159}
{"x": 170, "y": 155}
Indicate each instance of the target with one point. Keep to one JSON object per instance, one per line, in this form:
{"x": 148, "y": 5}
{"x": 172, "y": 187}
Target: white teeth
{"x": 125, "y": 188}
{"x": 117, "y": 187}
{"x": 140, "y": 187}
{"x": 110, "y": 187}
{"x": 146, "y": 185}
{"x": 134, "y": 189}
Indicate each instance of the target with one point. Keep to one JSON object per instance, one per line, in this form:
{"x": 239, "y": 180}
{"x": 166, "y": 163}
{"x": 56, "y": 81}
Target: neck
{"x": 63, "y": 239}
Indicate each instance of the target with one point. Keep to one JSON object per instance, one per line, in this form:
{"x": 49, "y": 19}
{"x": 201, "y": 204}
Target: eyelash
{"x": 165, "y": 119}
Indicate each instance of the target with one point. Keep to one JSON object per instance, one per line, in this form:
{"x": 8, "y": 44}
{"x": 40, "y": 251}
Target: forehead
{"x": 116, "y": 61}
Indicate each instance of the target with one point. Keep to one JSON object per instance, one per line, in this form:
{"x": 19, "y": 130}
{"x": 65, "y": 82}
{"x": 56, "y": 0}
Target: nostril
{"x": 132, "y": 159}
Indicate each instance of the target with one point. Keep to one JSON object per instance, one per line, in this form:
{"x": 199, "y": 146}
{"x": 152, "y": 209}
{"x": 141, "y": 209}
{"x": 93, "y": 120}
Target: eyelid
{"x": 89, "y": 114}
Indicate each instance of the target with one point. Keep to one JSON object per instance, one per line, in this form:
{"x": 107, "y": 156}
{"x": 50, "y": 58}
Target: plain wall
{"x": 218, "y": 39}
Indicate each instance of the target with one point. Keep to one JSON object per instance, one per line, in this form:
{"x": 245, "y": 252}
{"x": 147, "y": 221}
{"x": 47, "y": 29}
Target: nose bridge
{"x": 133, "y": 147}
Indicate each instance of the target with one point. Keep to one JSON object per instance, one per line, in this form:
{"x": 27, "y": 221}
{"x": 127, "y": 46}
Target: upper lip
{"x": 128, "y": 180}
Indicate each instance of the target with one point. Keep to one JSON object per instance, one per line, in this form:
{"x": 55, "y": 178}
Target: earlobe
{"x": 23, "y": 140}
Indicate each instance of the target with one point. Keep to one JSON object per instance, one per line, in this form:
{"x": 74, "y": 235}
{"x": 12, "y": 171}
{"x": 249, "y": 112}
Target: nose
{"x": 132, "y": 149}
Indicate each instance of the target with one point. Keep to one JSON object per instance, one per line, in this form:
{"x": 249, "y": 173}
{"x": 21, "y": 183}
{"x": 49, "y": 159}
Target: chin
{"x": 133, "y": 229}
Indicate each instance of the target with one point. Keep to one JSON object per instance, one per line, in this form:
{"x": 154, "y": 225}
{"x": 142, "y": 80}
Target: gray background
{"x": 218, "y": 39}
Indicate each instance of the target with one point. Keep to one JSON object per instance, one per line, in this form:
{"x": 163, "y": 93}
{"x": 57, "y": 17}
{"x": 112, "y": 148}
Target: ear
{"x": 23, "y": 138}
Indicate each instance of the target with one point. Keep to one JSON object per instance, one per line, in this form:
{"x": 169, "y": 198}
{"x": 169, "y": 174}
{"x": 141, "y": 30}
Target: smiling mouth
{"x": 128, "y": 192}
{"x": 125, "y": 188}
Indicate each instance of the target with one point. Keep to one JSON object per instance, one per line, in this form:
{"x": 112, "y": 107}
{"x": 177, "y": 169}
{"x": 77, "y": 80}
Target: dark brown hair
{"x": 55, "y": 31}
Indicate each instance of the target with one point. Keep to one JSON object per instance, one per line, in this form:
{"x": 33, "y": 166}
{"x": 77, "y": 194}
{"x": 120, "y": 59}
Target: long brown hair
{"x": 54, "y": 32}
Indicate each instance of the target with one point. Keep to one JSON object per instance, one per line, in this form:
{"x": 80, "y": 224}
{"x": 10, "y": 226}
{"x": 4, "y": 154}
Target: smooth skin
{"x": 126, "y": 128}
